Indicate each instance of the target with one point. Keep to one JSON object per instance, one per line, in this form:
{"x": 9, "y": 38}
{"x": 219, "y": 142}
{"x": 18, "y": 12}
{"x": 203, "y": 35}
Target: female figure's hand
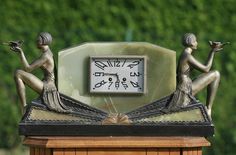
{"x": 16, "y": 49}
{"x": 217, "y": 46}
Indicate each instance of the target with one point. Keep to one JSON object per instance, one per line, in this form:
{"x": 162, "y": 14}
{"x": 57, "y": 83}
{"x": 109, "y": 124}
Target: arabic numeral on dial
{"x": 135, "y": 74}
{"x": 109, "y": 63}
{"x": 100, "y": 64}
{"x": 100, "y": 84}
{"x": 133, "y": 64}
{"x": 110, "y": 84}
{"x": 116, "y": 63}
{"x": 134, "y": 84}
{"x": 98, "y": 74}
{"x": 124, "y": 84}
{"x": 117, "y": 84}
{"x": 123, "y": 63}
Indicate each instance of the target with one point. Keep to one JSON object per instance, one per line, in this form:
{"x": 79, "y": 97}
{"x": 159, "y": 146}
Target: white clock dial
{"x": 121, "y": 74}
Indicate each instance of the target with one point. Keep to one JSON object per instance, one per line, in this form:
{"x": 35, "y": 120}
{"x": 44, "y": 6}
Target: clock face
{"x": 121, "y": 74}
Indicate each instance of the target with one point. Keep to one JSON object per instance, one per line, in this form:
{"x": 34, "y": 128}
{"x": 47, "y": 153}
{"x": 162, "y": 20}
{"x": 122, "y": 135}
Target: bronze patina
{"x": 46, "y": 87}
{"x": 186, "y": 87}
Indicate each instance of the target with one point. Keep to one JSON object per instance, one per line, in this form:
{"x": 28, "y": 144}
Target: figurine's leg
{"x": 210, "y": 79}
{"x": 22, "y": 78}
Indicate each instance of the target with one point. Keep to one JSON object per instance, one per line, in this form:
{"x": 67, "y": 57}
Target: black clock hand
{"x": 113, "y": 74}
{"x": 117, "y": 83}
{"x": 110, "y": 74}
{"x": 117, "y": 76}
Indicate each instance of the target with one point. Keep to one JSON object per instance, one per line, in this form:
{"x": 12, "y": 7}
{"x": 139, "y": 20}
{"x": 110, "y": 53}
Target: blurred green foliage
{"x": 161, "y": 22}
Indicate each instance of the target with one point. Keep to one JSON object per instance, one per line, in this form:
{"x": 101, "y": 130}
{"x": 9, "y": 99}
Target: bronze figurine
{"x": 46, "y": 87}
{"x": 186, "y": 87}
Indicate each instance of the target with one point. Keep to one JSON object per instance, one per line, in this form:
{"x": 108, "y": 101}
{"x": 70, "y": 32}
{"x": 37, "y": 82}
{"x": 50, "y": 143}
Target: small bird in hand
{"x": 14, "y": 44}
{"x": 217, "y": 46}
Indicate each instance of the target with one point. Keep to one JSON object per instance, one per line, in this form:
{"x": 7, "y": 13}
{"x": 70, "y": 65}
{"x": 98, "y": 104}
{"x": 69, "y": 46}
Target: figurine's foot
{"x": 209, "y": 113}
{"x": 23, "y": 111}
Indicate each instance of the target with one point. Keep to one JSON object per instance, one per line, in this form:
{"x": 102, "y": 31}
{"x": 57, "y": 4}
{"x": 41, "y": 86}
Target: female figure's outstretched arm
{"x": 198, "y": 65}
{"x": 36, "y": 64}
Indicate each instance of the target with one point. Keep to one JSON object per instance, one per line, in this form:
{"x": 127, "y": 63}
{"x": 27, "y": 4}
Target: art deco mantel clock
{"x": 117, "y": 89}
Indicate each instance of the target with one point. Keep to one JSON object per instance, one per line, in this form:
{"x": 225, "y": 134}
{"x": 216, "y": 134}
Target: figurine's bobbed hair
{"x": 188, "y": 39}
{"x": 45, "y": 38}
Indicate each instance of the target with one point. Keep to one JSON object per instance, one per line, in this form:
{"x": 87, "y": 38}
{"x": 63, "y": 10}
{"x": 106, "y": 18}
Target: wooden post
{"x": 46, "y": 145}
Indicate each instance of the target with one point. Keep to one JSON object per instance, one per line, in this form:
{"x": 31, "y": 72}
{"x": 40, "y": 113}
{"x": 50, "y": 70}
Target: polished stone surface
{"x": 193, "y": 115}
{"x": 73, "y": 74}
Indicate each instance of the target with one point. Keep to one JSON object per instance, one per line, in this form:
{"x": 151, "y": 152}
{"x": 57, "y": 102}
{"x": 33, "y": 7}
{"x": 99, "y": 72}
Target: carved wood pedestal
{"x": 116, "y": 145}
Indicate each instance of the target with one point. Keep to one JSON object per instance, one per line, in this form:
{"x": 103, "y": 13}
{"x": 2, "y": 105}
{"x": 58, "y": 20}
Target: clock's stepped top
{"x": 74, "y": 74}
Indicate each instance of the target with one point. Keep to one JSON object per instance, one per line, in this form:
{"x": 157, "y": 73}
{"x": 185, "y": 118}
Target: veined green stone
{"x": 73, "y": 74}
{"x": 193, "y": 115}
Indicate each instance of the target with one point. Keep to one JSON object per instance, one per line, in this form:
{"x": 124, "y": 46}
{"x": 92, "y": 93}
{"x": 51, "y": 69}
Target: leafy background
{"x": 161, "y": 22}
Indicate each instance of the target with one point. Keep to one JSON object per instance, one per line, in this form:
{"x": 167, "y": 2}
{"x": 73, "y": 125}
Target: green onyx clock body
{"x": 117, "y": 74}
{"x": 108, "y": 84}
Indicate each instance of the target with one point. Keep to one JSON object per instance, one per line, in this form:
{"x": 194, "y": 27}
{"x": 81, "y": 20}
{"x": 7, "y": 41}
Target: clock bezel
{"x": 119, "y": 57}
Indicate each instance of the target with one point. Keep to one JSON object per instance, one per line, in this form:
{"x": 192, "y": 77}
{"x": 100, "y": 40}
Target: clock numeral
{"x": 109, "y": 63}
{"x": 135, "y": 84}
{"x": 99, "y": 74}
{"x": 110, "y": 83}
{"x": 100, "y": 84}
{"x": 116, "y": 63}
{"x": 134, "y": 63}
{"x": 135, "y": 74}
{"x": 123, "y": 63}
{"x": 100, "y": 64}
{"x": 124, "y": 84}
{"x": 117, "y": 84}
